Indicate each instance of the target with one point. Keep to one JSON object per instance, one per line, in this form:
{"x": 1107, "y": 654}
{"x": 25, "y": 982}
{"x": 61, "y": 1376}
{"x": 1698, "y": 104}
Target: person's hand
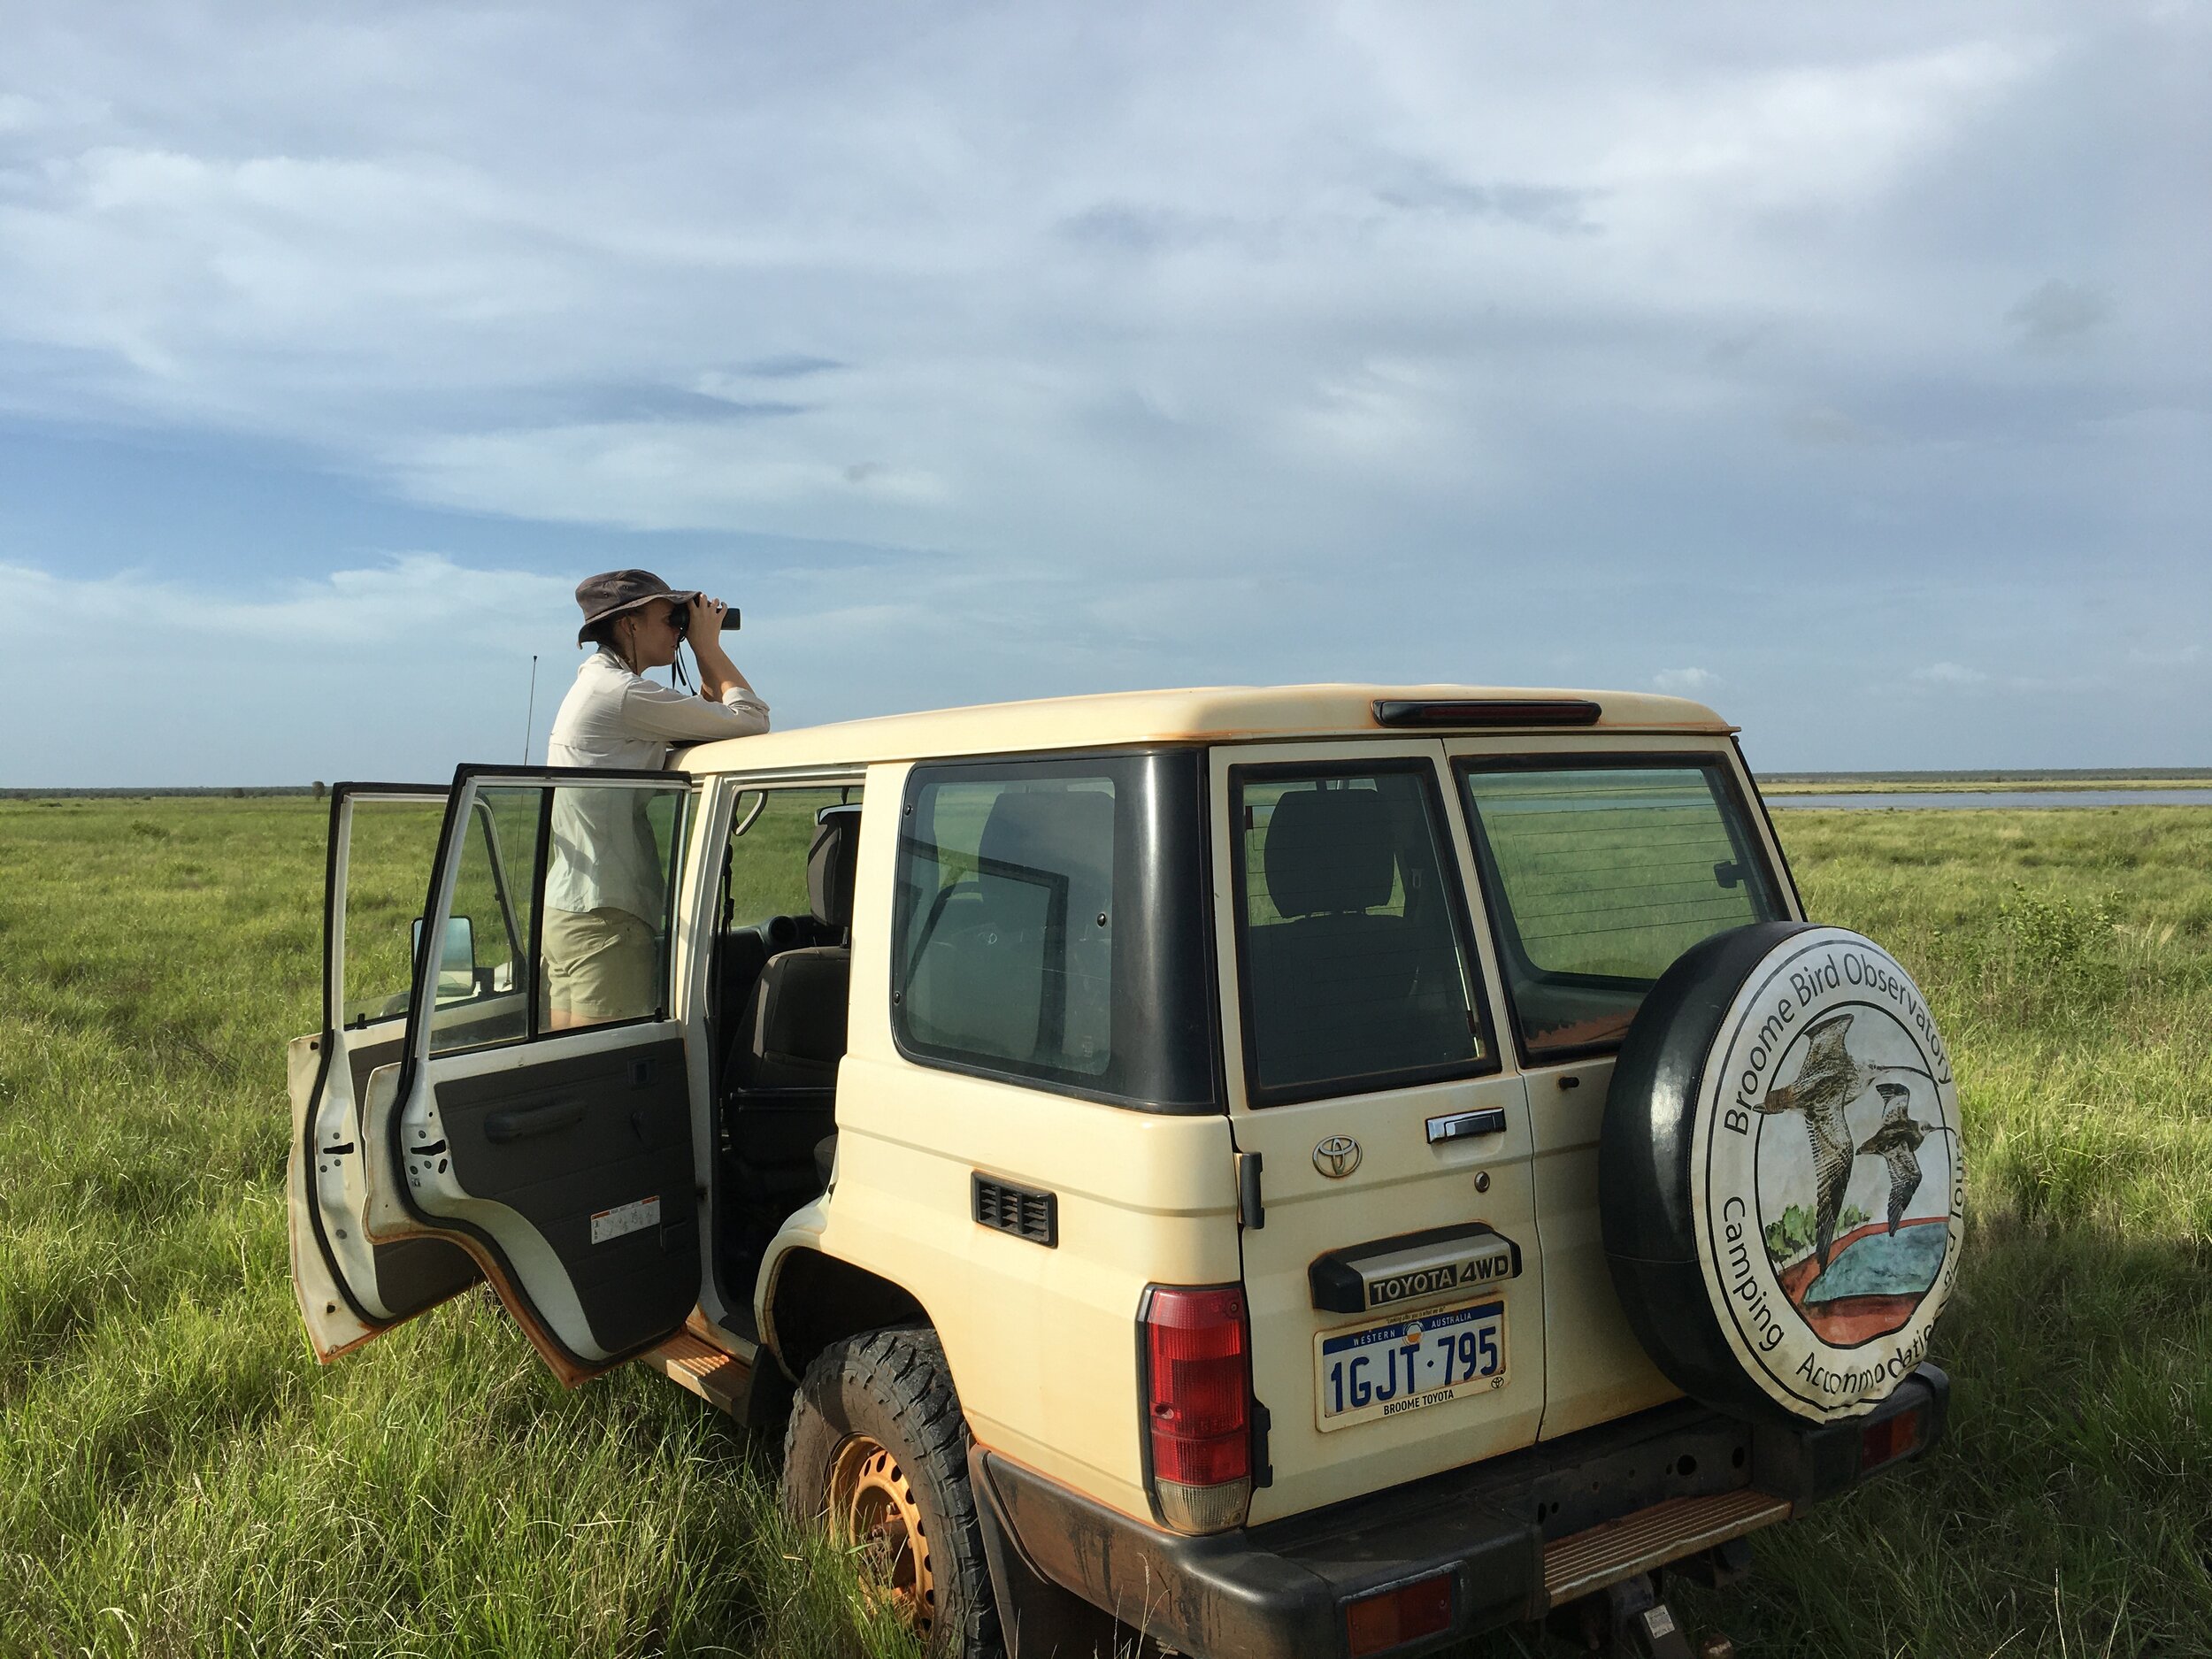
{"x": 704, "y": 626}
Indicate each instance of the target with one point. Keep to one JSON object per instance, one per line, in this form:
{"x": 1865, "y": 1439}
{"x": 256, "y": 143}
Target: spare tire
{"x": 1778, "y": 1173}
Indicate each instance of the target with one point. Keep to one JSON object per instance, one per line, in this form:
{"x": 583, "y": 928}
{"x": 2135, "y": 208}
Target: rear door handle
{"x": 1461, "y": 1126}
{"x": 516, "y": 1121}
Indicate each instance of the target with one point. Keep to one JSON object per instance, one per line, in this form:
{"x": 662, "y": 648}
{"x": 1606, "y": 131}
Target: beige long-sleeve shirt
{"x": 604, "y": 854}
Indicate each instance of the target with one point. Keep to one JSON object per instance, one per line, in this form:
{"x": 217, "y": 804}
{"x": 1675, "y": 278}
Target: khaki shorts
{"x": 599, "y": 966}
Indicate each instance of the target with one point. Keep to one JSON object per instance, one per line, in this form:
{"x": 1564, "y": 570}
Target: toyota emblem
{"x": 1337, "y": 1157}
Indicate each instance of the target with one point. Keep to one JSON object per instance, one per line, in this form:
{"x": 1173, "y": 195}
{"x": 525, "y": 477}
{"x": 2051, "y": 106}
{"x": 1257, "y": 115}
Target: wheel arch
{"x": 814, "y": 1299}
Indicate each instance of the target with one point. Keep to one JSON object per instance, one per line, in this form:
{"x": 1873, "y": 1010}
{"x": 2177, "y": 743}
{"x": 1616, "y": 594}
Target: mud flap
{"x": 1038, "y": 1618}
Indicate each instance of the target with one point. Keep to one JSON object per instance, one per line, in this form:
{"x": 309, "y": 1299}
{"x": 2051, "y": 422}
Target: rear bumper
{"x": 1519, "y": 1534}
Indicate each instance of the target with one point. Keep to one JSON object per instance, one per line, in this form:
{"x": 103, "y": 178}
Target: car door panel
{"x": 538, "y": 1154}
{"x": 475, "y": 1137}
{"x": 350, "y": 1287}
{"x": 1403, "y": 1179}
{"x": 1599, "y": 1371}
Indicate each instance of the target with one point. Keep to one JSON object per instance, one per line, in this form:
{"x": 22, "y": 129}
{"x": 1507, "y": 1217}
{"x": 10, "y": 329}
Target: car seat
{"x": 783, "y": 1070}
{"x": 1337, "y": 991}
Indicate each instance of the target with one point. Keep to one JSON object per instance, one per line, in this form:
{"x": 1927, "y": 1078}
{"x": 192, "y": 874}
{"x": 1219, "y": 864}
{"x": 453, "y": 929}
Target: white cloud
{"x": 1686, "y": 682}
{"x": 1362, "y": 252}
{"x": 409, "y": 598}
{"x": 1283, "y": 340}
{"x": 2055, "y": 314}
{"x": 399, "y": 669}
{"x": 1949, "y": 674}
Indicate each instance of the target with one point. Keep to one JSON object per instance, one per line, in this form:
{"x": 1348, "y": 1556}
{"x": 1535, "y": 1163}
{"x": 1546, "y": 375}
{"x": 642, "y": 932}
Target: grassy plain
{"x": 178, "y": 1477}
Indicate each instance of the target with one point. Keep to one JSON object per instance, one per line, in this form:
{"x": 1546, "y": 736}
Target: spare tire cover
{"x": 1778, "y": 1173}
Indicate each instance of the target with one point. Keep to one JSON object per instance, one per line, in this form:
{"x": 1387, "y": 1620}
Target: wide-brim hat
{"x": 611, "y": 593}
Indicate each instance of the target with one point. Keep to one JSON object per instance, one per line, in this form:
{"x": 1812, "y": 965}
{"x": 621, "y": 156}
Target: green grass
{"x": 2068, "y": 956}
{"x": 177, "y": 1477}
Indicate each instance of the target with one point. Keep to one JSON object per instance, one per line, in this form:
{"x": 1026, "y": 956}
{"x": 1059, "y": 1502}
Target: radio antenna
{"x": 530, "y": 717}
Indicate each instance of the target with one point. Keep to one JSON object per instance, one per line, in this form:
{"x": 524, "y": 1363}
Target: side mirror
{"x": 457, "y": 957}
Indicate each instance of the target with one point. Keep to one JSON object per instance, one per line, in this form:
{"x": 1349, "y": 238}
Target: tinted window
{"x": 1049, "y": 925}
{"x": 1009, "y": 942}
{"x": 1356, "y": 975}
{"x": 1600, "y": 876}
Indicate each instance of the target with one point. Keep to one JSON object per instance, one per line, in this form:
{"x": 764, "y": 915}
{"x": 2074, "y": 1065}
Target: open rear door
{"x": 536, "y": 1111}
{"x": 383, "y": 840}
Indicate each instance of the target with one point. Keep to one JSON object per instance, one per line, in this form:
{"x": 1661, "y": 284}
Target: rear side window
{"x": 1049, "y": 926}
{"x": 1356, "y": 971}
{"x": 1009, "y": 946}
{"x": 1600, "y": 876}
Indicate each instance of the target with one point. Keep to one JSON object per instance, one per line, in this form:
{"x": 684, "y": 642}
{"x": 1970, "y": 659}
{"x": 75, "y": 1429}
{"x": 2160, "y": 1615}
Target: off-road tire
{"x": 893, "y": 1386}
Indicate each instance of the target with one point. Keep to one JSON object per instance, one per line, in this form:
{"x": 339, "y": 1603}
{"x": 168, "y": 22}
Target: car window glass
{"x": 1356, "y": 973}
{"x": 1601, "y": 876}
{"x": 614, "y": 857}
{"x": 483, "y": 976}
{"x": 390, "y": 847}
{"x": 1005, "y": 948}
{"x": 772, "y": 832}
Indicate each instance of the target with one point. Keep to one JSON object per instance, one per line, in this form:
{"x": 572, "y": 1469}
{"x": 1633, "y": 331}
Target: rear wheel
{"x": 878, "y": 1448}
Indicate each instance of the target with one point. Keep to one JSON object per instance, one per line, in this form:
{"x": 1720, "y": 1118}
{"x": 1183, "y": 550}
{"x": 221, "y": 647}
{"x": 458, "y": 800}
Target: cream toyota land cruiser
{"x": 1324, "y": 1170}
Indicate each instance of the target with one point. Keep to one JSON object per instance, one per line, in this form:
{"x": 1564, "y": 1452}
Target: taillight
{"x": 1891, "y": 1438}
{"x": 1390, "y": 1618}
{"x": 1198, "y": 1405}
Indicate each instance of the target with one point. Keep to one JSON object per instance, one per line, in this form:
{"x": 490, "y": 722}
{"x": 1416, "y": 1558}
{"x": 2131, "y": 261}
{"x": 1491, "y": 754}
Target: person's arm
{"x": 718, "y": 674}
{"x": 652, "y": 709}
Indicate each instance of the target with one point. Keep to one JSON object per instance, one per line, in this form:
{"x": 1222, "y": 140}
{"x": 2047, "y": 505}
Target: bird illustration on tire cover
{"x": 1898, "y": 1143}
{"x": 1830, "y": 1080}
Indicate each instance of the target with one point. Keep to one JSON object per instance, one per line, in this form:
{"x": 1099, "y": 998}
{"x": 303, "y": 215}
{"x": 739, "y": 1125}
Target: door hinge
{"x": 1250, "y": 1212}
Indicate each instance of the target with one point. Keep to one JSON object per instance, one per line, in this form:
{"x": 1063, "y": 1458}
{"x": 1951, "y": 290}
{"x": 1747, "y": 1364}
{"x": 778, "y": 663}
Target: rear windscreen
{"x": 1600, "y": 876}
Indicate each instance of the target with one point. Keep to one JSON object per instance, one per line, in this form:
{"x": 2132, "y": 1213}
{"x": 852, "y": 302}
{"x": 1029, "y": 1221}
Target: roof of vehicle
{"x": 1202, "y": 714}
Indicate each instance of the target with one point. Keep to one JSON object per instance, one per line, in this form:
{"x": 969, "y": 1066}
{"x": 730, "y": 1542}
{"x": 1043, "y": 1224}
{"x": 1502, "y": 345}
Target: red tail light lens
{"x": 1387, "y": 1618}
{"x": 1198, "y": 1402}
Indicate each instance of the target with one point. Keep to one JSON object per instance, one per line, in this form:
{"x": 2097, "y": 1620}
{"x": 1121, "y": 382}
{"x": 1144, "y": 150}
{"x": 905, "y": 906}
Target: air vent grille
{"x": 1020, "y": 1210}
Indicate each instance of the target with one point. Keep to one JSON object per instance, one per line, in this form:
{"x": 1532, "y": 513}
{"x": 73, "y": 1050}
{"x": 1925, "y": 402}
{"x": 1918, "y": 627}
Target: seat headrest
{"x": 1068, "y": 832}
{"x": 1328, "y": 851}
{"x": 831, "y": 863}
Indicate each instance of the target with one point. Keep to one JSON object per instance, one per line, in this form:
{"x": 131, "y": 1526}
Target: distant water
{"x": 1908, "y": 800}
{"x": 1883, "y": 1264}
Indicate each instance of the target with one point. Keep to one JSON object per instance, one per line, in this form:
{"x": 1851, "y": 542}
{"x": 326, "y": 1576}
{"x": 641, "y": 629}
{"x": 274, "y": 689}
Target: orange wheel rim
{"x": 872, "y": 1507}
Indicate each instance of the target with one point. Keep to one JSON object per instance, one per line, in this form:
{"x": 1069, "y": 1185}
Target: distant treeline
{"x": 239, "y": 793}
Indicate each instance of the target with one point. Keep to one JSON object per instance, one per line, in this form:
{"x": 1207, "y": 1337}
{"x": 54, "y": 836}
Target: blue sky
{"x": 1848, "y": 370}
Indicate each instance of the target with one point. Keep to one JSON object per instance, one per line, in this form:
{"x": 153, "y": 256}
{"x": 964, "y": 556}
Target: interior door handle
{"x": 1460, "y": 1125}
{"x": 516, "y": 1121}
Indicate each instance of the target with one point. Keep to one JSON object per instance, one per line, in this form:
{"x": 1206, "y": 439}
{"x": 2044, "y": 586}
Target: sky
{"x": 1845, "y": 368}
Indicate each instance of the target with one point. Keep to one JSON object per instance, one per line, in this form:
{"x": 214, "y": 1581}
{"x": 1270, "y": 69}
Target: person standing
{"x": 606, "y": 897}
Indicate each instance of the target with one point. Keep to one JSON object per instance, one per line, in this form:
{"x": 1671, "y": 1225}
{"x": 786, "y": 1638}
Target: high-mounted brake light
{"x": 1198, "y": 1405}
{"x": 1487, "y": 711}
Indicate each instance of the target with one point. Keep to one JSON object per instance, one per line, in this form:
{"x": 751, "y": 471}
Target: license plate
{"x": 1386, "y": 1371}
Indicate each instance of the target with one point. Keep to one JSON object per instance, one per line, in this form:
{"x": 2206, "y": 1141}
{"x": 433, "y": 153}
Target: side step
{"x": 1604, "y": 1556}
{"x": 720, "y": 1380}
